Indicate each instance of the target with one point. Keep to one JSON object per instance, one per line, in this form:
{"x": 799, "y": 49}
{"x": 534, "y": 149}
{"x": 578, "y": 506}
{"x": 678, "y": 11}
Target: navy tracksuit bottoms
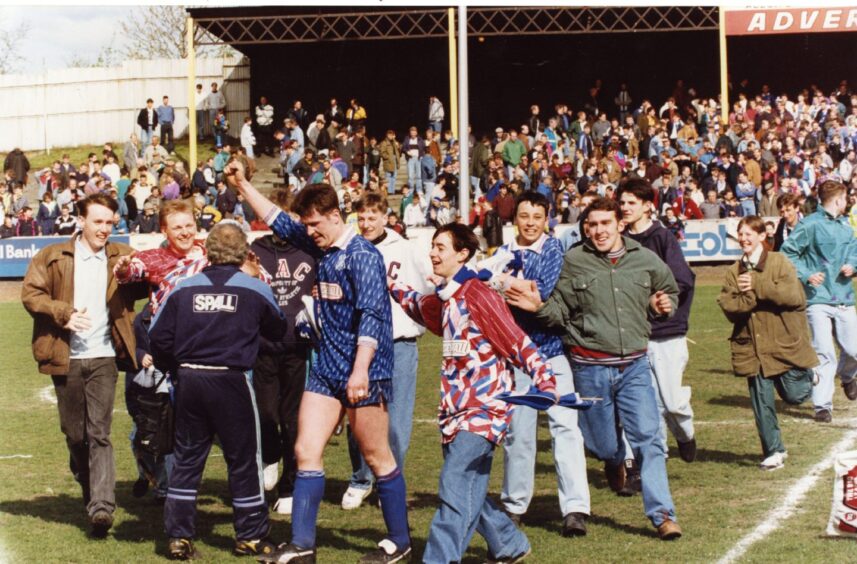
{"x": 221, "y": 402}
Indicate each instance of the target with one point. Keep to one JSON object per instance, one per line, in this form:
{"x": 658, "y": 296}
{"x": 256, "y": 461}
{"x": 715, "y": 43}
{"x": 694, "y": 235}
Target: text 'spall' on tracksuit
{"x": 207, "y": 333}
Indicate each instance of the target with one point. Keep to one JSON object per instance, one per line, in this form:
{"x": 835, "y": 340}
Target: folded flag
{"x": 537, "y": 399}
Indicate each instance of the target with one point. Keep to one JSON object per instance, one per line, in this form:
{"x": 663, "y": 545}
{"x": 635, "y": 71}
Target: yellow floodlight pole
{"x": 724, "y": 71}
{"x": 191, "y": 96}
{"x": 453, "y": 77}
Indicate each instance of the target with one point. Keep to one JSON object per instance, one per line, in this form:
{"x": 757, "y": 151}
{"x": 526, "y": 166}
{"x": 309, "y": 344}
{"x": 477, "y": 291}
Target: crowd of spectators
{"x": 701, "y": 167}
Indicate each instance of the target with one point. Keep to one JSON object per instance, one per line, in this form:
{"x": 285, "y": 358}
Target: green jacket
{"x": 513, "y": 151}
{"x": 823, "y": 243}
{"x": 771, "y": 333}
{"x": 605, "y": 307}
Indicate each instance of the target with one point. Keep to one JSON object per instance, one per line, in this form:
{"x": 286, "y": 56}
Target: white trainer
{"x": 283, "y": 506}
{"x": 270, "y": 476}
{"x": 354, "y": 497}
{"x": 775, "y": 461}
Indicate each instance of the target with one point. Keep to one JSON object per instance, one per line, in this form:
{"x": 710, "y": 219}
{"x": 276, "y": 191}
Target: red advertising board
{"x": 791, "y": 20}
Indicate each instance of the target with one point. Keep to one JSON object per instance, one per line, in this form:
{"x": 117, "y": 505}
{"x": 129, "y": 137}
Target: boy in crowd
{"x": 402, "y": 262}
{"x": 538, "y": 257}
{"x": 823, "y": 249}
{"x": 481, "y": 340}
{"x": 607, "y": 288}
{"x": 667, "y": 349}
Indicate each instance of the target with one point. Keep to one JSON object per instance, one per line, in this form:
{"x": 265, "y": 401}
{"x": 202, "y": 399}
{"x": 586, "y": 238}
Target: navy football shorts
{"x": 380, "y": 391}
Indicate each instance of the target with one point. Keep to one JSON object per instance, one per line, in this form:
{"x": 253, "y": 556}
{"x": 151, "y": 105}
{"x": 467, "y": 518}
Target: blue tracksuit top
{"x": 353, "y": 306}
{"x": 542, "y": 262}
{"x": 215, "y": 318}
{"x": 823, "y": 243}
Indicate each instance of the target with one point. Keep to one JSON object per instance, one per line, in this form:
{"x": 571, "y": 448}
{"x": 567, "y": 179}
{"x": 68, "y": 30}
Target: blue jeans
{"x": 465, "y": 507}
{"x": 629, "y": 391}
{"x": 749, "y": 206}
{"x": 415, "y": 174}
{"x": 145, "y": 137}
{"x": 566, "y": 441}
{"x": 825, "y": 321}
{"x": 391, "y": 181}
{"x": 400, "y": 410}
{"x": 477, "y": 190}
{"x": 436, "y": 126}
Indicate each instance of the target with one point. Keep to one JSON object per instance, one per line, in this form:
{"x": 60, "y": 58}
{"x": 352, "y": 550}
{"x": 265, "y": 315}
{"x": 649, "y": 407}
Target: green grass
{"x": 719, "y": 498}
{"x": 41, "y": 159}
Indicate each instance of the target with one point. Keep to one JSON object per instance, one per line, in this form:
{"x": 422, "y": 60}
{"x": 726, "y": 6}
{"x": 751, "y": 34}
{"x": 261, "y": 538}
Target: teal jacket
{"x": 604, "y": 306}
{"x": 823, "y": 243}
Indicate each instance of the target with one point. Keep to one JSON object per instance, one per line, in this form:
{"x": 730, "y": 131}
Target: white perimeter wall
{"x": 70, "y": 107}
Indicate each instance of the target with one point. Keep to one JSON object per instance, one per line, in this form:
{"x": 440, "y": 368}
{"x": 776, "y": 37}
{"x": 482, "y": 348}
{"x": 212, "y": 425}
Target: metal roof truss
{"x": 432, "y": 23}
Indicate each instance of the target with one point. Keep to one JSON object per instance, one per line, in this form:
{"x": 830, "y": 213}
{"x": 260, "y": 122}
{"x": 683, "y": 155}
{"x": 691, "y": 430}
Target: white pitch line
{"x": 9, "y": 456}
{"x": 793, "y": 498}
{"x": 725, "y": 422}
{"x": 47, "y": 395}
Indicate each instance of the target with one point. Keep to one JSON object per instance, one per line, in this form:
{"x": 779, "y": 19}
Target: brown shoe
{"x": 615, "y": 474}
{"x": 669, "y": 530}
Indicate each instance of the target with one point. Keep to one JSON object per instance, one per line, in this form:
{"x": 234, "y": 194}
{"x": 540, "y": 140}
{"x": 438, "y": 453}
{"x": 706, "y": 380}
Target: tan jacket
{"x": 771, "y": 332}
{"x": 48, "y": 295}
{"x": 754, "y": 172}
{"x": 390, "y": 153}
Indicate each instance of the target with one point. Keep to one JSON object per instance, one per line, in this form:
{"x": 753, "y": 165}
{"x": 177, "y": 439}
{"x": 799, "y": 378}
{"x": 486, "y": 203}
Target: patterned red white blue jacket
{"x": 480, "y": 343}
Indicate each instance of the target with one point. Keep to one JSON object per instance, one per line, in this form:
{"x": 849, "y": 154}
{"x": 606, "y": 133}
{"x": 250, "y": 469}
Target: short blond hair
{"x": 172, "y": 207}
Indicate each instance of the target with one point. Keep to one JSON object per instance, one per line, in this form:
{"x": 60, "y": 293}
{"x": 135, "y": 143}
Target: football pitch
{"x": 725, "y": 504}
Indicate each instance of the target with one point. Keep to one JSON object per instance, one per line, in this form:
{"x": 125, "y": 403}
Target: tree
{"x": 160, "y": 32}
{"x": 108, "y": 56}
{"x": 10, "y": 40}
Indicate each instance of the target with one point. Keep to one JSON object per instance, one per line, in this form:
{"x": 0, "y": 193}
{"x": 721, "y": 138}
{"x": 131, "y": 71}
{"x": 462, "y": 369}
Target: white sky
{"x": 58, "y": 32}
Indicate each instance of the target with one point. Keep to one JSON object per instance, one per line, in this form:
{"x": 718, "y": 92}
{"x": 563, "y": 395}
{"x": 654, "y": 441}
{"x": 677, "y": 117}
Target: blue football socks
{"x": 309, "y": 489}
{"x": 394, "y": 506}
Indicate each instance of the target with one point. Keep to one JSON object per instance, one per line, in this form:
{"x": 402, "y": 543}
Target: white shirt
{"x": 264, "y": 114}
{"x": 90, "y": 293}
{"x": 141, "y": 194}
{"x": 752, "y": 261}
{"x": 247, "y": 137}
{"x": 201, "y": 100}
{"x": 113, "y": 171}
{"x": 415, "y": 215}
{"x": 404, "y": 264}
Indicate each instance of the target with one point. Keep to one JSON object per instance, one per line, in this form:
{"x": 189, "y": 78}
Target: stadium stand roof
{"x": 283, "y": 24}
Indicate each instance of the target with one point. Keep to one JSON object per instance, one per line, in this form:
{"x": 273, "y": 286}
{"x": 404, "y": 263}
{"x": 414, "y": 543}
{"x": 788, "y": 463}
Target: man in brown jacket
{"x": 82, "y": 325}
{"x": 391, "y": 152}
